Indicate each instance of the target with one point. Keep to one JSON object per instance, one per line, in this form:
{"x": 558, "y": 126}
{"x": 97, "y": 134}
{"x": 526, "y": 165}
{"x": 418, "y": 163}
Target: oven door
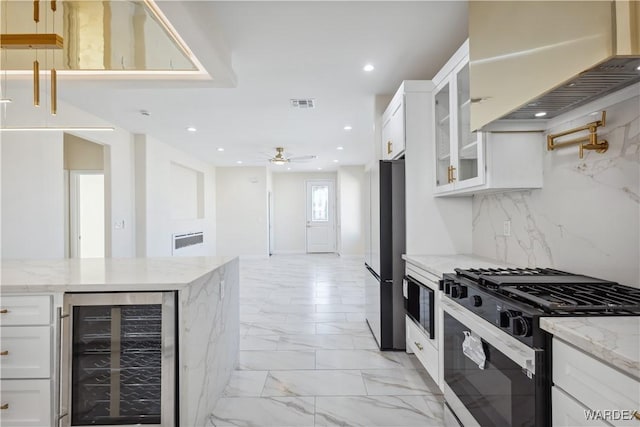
{"x": 504, "y": 391}
{"x": 419, "y": 303}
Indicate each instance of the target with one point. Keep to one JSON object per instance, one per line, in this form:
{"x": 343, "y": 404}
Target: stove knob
{"x": 504, "y": 318}
{"x": 477, "y": 301}
{"x": 455, "y": 291}
{"x": 463, "y": 291}
{"x": 458, "y": 291}
{"x": 521, "y": 326}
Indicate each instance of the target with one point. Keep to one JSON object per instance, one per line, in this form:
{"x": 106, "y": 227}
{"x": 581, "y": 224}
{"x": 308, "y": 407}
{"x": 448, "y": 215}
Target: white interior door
{"x": 321, "y": 229}
{"x": 87, "y": 239}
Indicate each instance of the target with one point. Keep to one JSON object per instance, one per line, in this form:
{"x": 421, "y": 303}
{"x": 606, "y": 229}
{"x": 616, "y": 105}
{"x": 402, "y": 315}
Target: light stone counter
{"x": 208, "y": 310}
{"x": 440, "y": 264}
{"x": 104, "y": 274}
{"x": 613, "y": 339}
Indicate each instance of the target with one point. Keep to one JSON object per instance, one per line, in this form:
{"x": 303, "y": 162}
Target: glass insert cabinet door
{"x": 467, "y": 140}
{"x": 443, "y": 135}
{"x": 119, "y": 359}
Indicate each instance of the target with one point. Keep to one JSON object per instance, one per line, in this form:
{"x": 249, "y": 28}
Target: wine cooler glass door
{"x": 120, "y": 359}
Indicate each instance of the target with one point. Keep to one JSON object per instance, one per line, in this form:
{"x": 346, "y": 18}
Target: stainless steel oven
{"x": 419, "y": 304}
{"x": 490, "y": 378}
{"x": 118, "y": 359}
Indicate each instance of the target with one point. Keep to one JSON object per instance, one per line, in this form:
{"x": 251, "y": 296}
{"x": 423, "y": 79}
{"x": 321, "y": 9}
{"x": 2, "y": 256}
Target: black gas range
{"x": 513, "y": 299}
{"x": 497, "y": 359}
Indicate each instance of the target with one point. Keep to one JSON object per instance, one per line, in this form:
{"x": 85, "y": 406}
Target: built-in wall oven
{"x": 118, "y": 359}
{"x": 419, "y": 302}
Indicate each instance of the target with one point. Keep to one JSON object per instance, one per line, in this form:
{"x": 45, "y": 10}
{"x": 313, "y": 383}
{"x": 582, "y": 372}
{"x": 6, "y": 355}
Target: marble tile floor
{"x": 307, "y": 357}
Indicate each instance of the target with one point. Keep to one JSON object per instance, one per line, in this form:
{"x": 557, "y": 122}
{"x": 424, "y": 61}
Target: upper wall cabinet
{"x": 471, "y": 162}
{"x": 393, "y": 135}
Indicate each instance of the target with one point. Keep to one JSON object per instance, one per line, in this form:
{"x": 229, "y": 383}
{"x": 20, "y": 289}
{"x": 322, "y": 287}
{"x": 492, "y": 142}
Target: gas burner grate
{"x": 587, "y": 297}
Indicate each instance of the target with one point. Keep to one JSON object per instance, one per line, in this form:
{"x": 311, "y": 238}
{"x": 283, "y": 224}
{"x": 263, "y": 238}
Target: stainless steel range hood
{"x": 529, "y": 57}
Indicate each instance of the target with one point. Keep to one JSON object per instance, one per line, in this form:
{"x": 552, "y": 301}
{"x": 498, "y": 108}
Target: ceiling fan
{"x": 281, "y": 159}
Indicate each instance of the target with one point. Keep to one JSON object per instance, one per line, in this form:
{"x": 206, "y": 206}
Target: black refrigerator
{"x": 385, "y": 244}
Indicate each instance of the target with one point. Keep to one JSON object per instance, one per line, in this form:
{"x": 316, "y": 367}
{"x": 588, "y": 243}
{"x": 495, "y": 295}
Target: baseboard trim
{"x": 289, "y": 253}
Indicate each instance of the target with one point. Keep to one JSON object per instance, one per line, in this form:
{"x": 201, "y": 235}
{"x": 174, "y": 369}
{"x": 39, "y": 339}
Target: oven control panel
{"x": 506, "y": 315}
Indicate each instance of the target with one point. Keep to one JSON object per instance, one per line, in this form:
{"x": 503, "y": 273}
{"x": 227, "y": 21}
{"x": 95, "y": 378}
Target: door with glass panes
{"x": 320, "y": 226}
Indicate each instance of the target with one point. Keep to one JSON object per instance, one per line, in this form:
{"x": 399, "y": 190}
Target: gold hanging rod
{"x": 591, "y": 140}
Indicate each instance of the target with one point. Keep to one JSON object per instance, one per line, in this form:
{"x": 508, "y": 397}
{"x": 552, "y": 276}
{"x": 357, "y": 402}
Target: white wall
{"x": 32, "y": 195}
{"x": 155, "y": 162}
{"x": 241, "y": 205}
{"x": 37, "y": 203}
{"x": 290, "y": 221}
{"x": 350, "y": 189}
{"x": 586, "y": 217}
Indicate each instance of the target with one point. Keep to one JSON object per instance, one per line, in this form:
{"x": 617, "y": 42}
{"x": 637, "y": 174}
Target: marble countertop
{"x": 614, "y": 339}
{"x": 104, "y": 274}
{"x": 440, "y": 264}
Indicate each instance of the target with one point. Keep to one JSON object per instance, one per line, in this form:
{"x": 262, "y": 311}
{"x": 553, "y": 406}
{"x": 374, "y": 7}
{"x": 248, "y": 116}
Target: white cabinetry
{"x": 582, "y": 383}
{"x": 393, "y": 136}
{"x": 26, "y": 360}
{"x": 394, "y": 119}
{"x": 471, "y": 162}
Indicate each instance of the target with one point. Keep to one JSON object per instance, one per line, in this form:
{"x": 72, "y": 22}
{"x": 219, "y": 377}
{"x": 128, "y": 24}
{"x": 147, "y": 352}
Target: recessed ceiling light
{"x": 220, "y": 149}
{"x": 319, "y": 169}
{"x": 288, "y": 169}
{"x": 191, "y": 129}
{"x": 239, "y": 162}
{"x": 638, "y": 68}
{"x": 347, "y": 127}
{"x": 340, "y": 148}
{"x": 368, "y": 68}
{"x": 541, "y": 114}
{"x": 335, "y": 161}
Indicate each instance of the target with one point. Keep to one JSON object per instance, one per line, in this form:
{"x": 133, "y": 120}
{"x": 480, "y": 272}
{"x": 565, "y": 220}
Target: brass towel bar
{"x": 589, "y": 142}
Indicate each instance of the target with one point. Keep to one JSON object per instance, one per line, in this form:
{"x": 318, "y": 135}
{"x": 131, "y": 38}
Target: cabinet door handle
{"x": 389, "y": 147}
{"x": 449, "y": 178}
{"x": 418, "y": 345}
{"x": 453, "y": 177}
{"x": 4, "y": 311}
{"x": 4, "y": 353}
{"x": 5, "y": 406}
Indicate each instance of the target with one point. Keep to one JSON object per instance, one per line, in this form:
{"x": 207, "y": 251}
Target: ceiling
{"x": 279, "y": 51}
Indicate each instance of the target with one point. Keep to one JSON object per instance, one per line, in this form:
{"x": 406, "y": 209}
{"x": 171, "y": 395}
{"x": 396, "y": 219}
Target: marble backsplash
{"x": 586, "y": 217}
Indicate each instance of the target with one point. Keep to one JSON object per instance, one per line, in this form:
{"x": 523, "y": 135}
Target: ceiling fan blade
{"x": 301, "y": 158}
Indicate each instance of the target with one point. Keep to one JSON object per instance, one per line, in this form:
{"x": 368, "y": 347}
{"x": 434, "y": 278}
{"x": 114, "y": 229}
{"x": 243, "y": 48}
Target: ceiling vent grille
{"x": 303, "y": 103}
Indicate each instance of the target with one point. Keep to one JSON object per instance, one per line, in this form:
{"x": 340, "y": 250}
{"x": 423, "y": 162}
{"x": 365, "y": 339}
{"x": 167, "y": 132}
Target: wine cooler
{"x": 118, "y": 359}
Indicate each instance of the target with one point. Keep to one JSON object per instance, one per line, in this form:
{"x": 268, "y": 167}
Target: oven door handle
{"x": 520, "y": 353}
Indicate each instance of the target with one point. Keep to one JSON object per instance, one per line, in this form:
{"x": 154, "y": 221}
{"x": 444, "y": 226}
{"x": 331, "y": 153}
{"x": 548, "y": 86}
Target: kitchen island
{"x": 207, "y": 297}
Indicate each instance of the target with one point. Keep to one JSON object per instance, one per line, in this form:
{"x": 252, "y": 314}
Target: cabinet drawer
{"x": 421, "y": 346}
{"x": 569, "y": 413}
{"x": 593, "y": 383}
{"x": 29, "y": 310}
{"x": 28, "y": 352}
{"x": 28, "y": 403}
